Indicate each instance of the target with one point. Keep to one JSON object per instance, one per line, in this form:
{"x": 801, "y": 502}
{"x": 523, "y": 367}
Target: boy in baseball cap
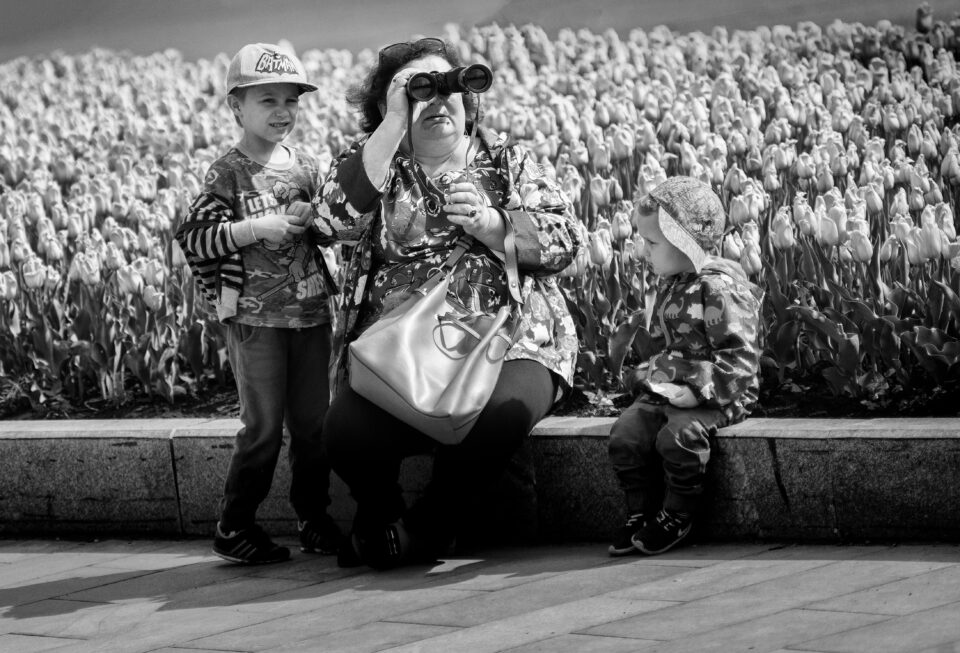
{"x": 251, "y": 243}
{"x": 703, "y": 376}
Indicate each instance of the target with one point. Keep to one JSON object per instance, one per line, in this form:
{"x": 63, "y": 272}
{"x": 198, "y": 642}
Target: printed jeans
{"x": 282, "y": 380}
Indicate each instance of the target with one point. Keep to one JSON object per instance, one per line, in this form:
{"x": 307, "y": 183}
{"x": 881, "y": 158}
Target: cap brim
{"x": 303, "y": 86}
{"x": 681, "y": 239}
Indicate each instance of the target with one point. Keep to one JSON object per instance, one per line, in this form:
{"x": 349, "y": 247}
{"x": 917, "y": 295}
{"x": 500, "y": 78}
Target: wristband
{"x": 253, "y": 234}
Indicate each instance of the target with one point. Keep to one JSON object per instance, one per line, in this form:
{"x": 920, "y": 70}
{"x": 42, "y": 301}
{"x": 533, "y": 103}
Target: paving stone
{"x": 716, "y": 579}
{"x": 79, "y": 477}
{"x": 937, "y": 629}
{"x": 913, "y": 594}
{"x": 25, "y": 591}
{"x": 30, "y": 643}
{"x": 338, "y": 613}
{"x": 365, "y": 639}
{"x": 767, "y": 633}
{"x": 759, "y": 600}
{"x": 527, "y": 627}
{"x": 574, "y": 643}
{"x": 538, "y": 594}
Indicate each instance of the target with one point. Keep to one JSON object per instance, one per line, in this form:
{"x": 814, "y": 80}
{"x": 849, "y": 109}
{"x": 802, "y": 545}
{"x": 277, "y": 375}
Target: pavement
{"x": 771, "y": 597}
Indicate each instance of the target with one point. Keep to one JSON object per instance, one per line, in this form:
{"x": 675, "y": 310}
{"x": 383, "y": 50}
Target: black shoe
{"x": 386, "y": 547}
{"x": 251, "y": 546}
{"x": 663, "y": 533}
{"x": 348, "y": 553}
{"x": 622, "y": 544}
{"x": 319, "y": 535}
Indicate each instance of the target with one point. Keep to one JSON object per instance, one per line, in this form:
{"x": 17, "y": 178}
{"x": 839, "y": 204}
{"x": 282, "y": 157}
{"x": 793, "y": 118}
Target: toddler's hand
{"x": 278, "y": 228}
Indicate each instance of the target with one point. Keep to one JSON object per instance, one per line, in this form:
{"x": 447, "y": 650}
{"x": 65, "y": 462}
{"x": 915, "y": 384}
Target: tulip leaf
{"x": 621, "y": 339}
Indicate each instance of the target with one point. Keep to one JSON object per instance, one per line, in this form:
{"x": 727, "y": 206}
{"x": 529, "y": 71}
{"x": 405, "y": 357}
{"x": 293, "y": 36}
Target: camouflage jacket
{"x": 704, "y": 328}
{"x": 351, "y": 209}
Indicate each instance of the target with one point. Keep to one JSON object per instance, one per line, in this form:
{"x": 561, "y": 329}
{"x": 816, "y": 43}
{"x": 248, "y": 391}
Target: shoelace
{"x": 633, "y": 520}
{"x": 669, "y": 521}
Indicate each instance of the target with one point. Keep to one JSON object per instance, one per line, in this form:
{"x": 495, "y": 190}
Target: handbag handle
{"x": 464, "y": 243}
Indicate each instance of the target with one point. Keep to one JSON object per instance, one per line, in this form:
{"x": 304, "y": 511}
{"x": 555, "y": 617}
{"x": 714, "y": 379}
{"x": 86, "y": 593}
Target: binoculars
{"x": 423, "y": 87}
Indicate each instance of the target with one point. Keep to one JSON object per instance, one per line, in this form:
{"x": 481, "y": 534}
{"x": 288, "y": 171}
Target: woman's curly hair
{"x": 372, "y": 91}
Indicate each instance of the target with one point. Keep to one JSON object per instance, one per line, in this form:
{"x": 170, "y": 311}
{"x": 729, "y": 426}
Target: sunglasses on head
{"x": 423, "y": 45}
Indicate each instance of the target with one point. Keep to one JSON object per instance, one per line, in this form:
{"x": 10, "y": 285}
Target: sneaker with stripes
{"x": 251, "y": 546}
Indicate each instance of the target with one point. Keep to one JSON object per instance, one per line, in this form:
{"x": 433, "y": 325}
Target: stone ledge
{"x": 828, "y": 480}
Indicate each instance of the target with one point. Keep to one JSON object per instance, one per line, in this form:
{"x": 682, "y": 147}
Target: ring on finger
{"x": 473, "y": 213}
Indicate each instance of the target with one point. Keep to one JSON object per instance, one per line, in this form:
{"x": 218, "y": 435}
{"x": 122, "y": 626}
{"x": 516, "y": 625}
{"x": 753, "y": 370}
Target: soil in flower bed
{"x": 220, "y": 401}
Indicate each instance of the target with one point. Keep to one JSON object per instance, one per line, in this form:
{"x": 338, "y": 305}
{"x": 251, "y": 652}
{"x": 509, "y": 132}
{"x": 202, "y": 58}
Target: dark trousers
{"x": 366, "y": 445}
{"x": 282, "y": 379}
{"x": 660, "y": 454}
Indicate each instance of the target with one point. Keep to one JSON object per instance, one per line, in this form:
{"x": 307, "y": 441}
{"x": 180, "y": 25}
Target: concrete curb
{"x": 816, "y": 480}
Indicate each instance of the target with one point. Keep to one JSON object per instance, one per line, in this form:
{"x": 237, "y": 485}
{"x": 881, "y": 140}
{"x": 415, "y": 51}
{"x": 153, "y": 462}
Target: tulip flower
{"x": 621, "y": 226}
{"x": 129, "y": 281}
{"x": 889, "y": 249}
{"x": 88, "y": 269}
{"x": 601, "y": 252}
{"x": 750, "y": 233}
{"x": 943, "y": 216}
{"x": 152, "y": 297}
{"x": 8, "y": 285}
{"x": 600, "y": 191}
{"x": 861, "y": 249}
{"x": 732, "y": 246}
{"x": 782, "y": 231}
{"x": 829, "y": 235}
{"x": 34, "y": 273}
{"x": 750, "y": 259}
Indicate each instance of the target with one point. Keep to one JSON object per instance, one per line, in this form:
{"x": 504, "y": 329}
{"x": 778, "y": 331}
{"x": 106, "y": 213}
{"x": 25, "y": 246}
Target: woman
{"x": 424, "y": 175}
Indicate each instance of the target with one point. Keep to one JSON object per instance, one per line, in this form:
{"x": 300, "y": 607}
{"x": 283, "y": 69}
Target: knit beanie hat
{"x": 694, "y": 220}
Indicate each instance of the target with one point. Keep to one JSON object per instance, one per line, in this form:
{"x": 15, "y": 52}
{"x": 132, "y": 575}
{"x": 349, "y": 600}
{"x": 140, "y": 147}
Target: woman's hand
{"x": 471, "y": 209}
{"x": 398, "y": 104}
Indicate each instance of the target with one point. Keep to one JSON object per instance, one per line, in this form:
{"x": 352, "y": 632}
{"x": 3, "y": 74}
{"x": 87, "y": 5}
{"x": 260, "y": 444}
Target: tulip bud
{"x": 600, "y": 251}
{"x": 34, "y": 273}
{"x": 750, "y": 233}
{"x": 8, "y": 285}
{"x": 129, "y": 280}
{"x": 860, "y": 246}
{"x": 621, "y": 226}
{"x": 600, "y": 191}
{"x": 750, "y": 259}
{"x": 52, "y": 280}
{"x": 154, "y": 272}
{"x": 782, "y": 231}
{"x": 890, "y": 248}
{"x": 153, "y": 298}
{"x": 88, "y": 267}
{"x": 732, "y": 246}
{"x": 829, "y": 233}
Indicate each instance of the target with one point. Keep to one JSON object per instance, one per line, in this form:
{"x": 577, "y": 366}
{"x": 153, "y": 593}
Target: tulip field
{"x": 834, "y": 149}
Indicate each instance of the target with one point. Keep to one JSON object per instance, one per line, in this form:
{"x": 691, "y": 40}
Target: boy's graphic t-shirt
{"x": 284, "y": 285}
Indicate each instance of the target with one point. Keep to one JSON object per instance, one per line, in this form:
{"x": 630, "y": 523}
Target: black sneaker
{"x": 251, "y": 546}
{"x": 319, "y": 535}
{"x": 622, "y": 544}
{"x": 663, "y": 533}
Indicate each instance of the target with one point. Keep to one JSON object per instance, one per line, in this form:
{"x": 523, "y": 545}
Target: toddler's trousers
{"x": 660, "y": 454}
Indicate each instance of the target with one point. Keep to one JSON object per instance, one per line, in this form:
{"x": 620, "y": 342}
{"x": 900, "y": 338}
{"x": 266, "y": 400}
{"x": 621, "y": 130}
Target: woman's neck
{"x": 436, "y": 159}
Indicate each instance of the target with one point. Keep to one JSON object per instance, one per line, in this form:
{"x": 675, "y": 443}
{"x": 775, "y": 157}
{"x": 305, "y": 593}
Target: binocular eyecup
{"x": 475, "y": 78}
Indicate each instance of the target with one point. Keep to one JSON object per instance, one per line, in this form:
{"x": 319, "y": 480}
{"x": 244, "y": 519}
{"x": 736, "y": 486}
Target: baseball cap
{"x": 265, "y": 63}
{"x": 693, "y": 219}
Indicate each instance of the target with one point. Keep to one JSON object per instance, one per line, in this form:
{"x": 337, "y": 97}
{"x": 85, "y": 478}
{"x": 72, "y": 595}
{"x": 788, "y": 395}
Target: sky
{"x": 204, "y": 28}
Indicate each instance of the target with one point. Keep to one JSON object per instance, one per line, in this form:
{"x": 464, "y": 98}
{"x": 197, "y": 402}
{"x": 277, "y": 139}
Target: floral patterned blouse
{"x": 402, "y": 237}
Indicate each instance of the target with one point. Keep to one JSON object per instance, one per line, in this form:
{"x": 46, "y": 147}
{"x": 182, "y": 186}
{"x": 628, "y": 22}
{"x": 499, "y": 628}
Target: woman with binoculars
{"x": 424, "y": 178}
